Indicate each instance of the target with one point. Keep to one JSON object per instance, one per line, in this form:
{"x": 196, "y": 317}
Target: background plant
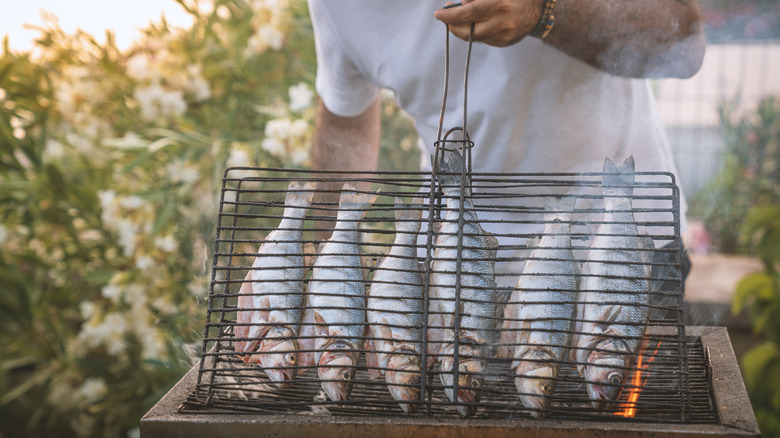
{"x": 750, "y": 175}
{"x": 759, "y": 294}
{"x": 110, "y": 164}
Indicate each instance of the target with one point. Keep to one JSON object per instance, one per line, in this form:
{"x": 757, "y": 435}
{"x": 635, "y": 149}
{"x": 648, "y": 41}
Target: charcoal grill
{"x": 673, "y": 388}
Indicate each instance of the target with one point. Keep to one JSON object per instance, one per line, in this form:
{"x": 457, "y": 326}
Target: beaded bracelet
{"x": 546, "y": 22}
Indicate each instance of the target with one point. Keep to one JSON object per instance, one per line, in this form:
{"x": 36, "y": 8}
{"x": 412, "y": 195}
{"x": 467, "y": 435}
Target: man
{"x": 559, "y": 102}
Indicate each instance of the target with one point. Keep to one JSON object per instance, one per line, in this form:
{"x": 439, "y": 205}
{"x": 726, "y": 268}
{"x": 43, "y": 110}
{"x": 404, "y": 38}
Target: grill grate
{"x": 511, "y": 208}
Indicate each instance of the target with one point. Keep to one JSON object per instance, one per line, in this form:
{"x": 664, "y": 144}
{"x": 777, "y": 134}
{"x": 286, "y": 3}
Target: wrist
{"x": 546, "y": 21}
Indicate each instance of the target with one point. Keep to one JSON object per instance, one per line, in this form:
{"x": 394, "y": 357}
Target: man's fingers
{"x": 465, "y": 14}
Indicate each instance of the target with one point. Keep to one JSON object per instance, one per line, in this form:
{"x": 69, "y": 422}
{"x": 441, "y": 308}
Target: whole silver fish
{"x": 613, "y": 308}
{"x": 270, "y": 300}
{"x": 479, "y": 305}
{"x": 395, "y": 311}
{"x": 538, "y": 316}
{"x": 334, "y": 319}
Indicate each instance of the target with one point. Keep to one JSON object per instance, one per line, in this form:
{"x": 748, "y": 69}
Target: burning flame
{"x": 628, "y": 409}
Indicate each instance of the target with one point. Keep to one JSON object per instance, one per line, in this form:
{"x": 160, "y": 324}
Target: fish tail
{"x": 559, "y": 208}
{"x": 298, "y": 198}
{"x": 354, "y": 205}
{"x": 453, "y": 164}
{"x": 408, "y": 216}
{"x": 619, "y": 180}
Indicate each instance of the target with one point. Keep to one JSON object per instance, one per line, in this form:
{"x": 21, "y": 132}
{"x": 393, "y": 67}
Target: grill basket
{"x": 511, "y": 208}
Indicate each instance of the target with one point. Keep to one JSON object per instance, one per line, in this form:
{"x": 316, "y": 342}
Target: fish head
{"x": 279, "y": 355}
{"x": 604, "y": 379}
{"x": 337, "y": 368}
{"x": 471, "y": 367}
{"x": 535, "y": 384}
{"x": 403, "y": 378}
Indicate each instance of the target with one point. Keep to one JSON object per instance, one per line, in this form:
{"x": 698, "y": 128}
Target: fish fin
{"x": 372, "y": 360}
{"x": 453, "y": 164}
{"x": 354, "y": 205}
{"x": 491, "y": 243}
{"x": 408, "y": 217}
{"x": 309, "y": 254}
{"x": 559, "y": 208}
{"x": 619, "y": 179}
{"x": 609, "y": 316}
{"x": 299, "y": 198}
{"x": 367, "y": 265}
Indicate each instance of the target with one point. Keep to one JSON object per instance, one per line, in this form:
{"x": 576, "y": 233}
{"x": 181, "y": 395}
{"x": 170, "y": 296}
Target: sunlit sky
{"x": 124, "y": 17}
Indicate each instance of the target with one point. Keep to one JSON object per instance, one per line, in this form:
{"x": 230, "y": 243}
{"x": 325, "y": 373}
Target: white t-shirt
{"x": 531, "y": 108}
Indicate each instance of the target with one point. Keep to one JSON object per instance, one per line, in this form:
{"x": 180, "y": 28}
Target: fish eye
{"x": 291, "y": 358}
{"x": 547, "y": 387}
{"x": 475, "y": 383}
{"x": 346, "y": 375}
{"x": 615, "y": 379}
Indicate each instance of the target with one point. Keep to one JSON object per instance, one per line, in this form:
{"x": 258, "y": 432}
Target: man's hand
{"x": 639, "y": 39}
{"x": 498, "y": 23}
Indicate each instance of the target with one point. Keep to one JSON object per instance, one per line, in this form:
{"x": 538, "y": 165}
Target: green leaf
{"x": 750, "y": 287}
{"x": 755, "y": 361}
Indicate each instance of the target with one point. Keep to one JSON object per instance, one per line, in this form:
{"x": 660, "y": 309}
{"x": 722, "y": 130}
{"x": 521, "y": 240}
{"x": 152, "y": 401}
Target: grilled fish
{"x": 479, "y": 308}
{"x": 612, "y": 312}
{"x": 395, "y": 311}
{"x": 334, "y": 319}
{"x": 538, "y": 316}
{"x": 270, "y": 300}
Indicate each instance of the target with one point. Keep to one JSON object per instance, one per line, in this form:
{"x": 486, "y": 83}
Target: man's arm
{"x": 345, "y": 143}
{"x": 632, "y": 38}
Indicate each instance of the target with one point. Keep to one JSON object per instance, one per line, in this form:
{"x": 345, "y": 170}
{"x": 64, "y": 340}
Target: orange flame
{"x": 628, "y": 409}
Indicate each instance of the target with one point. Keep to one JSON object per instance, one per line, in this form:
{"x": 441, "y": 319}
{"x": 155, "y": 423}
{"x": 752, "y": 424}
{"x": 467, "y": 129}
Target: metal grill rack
{"x": 511, "y": 208}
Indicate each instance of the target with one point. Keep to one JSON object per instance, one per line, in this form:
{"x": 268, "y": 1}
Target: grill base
{"x": 720, "y": 407}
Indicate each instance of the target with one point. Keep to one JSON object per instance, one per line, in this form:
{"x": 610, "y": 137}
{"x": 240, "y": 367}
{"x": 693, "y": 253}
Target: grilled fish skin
{"x": 612, "y": 311}
{"x": 538, "y": 316}
{"x": 478, "y": 297}
{"x": 273, "y": 290}
{"x": 395, "y": 311}
{"x": 334, "y": 318}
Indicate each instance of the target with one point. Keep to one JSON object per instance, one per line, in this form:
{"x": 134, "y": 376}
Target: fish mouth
{"x": 283, "y": 378}
{"x": 603, "y": 397}
{"x": 336, "y": 377}
{"x": 404, "y": 391}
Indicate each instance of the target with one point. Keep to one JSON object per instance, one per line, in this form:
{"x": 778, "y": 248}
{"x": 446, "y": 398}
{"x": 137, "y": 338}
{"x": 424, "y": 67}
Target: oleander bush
{"x": 110, "y": 167}
{"x": 750, "y": 175}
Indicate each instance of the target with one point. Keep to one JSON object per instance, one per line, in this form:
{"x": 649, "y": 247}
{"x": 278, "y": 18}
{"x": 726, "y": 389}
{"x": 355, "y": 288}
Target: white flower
{"x": 155, "y": 101}
{"x": 93, "y": 389}
{"x": 138, "y": 67}
{"x": 278, "y": 128}
{"x": 107, "y": 198}
{"x": 152, "y": 344}
{"x": 109, "y": 333}
{"x": 2, "y": 94}
{"x": 127, "y": 235}
{"x": 195, "y": 84}
{"x": 181, "y": 172}
{"x": 144, "y": 263}
{"x": 300, "y": 97}
{"x": 86, "y": 309}
{"x": 112, "y": 292}
{"x": 223, "y": 12}
{"x": 3, "y": 234}
{"x": 273, "y": 146}
{"x": 166, "y": 244}
{"x": 54, "y": 149}
{"x": 298, "y": 128}
{"x": 239, "y": 156}
{"x": 134, "y": 433}
{"x": 132, "y": 202}
{"x": 299, "y": 156}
